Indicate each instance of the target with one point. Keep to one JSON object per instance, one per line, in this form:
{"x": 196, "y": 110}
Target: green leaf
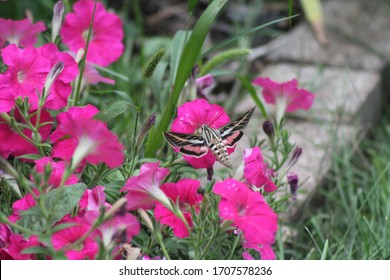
{"x": 30, "y": 156}
{"x": 191, "y": 5}
{"x": 115, "y": 109}
{"x": 188, "y": 59}
{"x": 57, "y": 203}
{"x": 241, "y": 34}
{"x": 176, "y": 51}
{"x": 252, "y": 92}
{"x": 36, "y": 250}
{"x": 325, "y": 250}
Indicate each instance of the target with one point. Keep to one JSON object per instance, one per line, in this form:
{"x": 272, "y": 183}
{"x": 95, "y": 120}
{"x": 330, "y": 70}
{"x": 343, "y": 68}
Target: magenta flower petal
{"x": 7, "y": 99}
{"x": 18, "y": 244}
{"x": 27, "y": 71}
{"x": 87, "y": 249}
{"x": 248, "y": 211}
{"x": 186, "y": 192}
{"x": 57, "y": 171}
{"x": 265, "y": 250}
{"x": 23, "y": 33}
{"x": 95, "y": 143}
{"x": 105, "y": 45}
{"x": 256, "y": 171}
{"x": 93, "y": 200}
{"x": 11, "y": 143}
{"x": 143, "y": 190}
{"x": 116, "y": 228}
{"x": 287, "y": 92}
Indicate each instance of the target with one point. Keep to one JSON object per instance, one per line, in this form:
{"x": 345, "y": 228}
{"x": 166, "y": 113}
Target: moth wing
{"x": 230, "y": 141}
{"x": 239, "y": 124}
{"x": 189, "y": 144}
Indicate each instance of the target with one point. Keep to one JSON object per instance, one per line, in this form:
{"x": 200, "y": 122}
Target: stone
{"x": 358, "y": 33}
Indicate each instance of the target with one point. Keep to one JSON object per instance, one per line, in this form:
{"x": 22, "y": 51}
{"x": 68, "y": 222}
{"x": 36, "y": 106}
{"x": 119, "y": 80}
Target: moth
{"x": 216, "y": 140}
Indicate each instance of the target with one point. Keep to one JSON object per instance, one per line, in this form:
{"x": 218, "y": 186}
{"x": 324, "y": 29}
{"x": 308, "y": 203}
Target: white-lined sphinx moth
{"x": 217, "y": 140}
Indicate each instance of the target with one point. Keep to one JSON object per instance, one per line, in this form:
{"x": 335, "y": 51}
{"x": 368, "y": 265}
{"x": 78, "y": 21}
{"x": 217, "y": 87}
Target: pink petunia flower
{"x": 248, "y": 211}
{"x": 105, "y": 45}
{"x": 22, "y": 204}
{"x": 28, "y": 70}
{"x": 13, "y": 144}
{"x": 190, "y": 118}
{"x": 120, "y": 229}
{"x": 256, "y": 171}
{"x": 93, "y": 200}
{"x": 203, "y": 83}
{"x": 17, "y": 244}
{"x": 84, "y": 139}
{"x": 5, "y": 233}
{"x": 57, "y": 171}
{"x": 144, "y": 190}
{"x": 23, "y": 32}
{"x": 185, "y": 192}
{"x": 286, "y": 96}
{"x": 66, "y": 237}
{"x": 92, "y": 77}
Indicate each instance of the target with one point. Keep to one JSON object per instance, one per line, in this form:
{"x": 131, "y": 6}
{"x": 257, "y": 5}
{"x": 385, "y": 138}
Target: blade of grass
{"x": 188, "y": 59}
{"x": 325, "y": 250}
{"x": 341, "y": 245}
{"x": 241, "y": 34}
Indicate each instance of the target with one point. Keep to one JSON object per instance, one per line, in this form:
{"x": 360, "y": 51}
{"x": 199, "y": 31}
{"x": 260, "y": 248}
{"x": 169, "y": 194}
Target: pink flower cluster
{"x": 93, "y": 200}
{"x": 44, "y": 75}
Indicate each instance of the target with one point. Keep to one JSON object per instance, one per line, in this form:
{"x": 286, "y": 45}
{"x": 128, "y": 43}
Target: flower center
{"x": 241, "y": 210}
{"x": 21, "y": 76}
{"x": 85, "y": 35}
{"x": 79, "y": 247}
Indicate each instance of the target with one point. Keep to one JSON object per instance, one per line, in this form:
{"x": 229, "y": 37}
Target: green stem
{"x": 83, "y": 61}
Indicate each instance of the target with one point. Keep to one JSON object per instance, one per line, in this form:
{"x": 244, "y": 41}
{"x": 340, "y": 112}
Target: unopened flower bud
{"x": 53, "y": 74}
{"x": 145, "y": 129}
{"x": 292, "y": 180}
{"x": 296, "y": 154}
{"x": 58, "y": 12}
{"x": 268, "y": 128}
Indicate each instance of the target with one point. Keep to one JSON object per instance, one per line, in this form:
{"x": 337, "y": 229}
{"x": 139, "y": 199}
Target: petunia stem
{"x": 83, "y": 61}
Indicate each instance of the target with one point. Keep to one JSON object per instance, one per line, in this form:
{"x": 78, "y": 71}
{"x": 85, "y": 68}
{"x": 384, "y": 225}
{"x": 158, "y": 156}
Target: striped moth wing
{"x": 187, "y": 144}
{"x": 232, "y": 132}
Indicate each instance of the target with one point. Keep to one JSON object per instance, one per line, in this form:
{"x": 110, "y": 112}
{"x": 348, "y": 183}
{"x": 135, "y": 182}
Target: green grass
{"x": 350, "y": 217}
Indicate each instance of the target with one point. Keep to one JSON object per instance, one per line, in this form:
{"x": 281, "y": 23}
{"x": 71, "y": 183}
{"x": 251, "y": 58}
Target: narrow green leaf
{"x": 30, "y": 156}
{"x": 231, "y": 39}
{"x": 290, "y": 10}
{"x": 177, "y": 47}
{"x": 57, "y": 202}
{"x": 325, "y": 250}
{"x": 188, "y": 59}
{"x": 115, "y": 109}
{"x": 36, "y": 250}
{"x": 191, "y": 5}
{"x": 252, "y": 92}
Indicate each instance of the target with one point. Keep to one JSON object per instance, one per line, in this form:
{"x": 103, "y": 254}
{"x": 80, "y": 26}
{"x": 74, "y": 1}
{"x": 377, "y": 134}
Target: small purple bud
{"x": 268, "y": 128}
{"x": 293, "y": 180}
{"x": 145, "y": 129}
{"x": 296, "y": 154}
{"x": 210, "y": 172}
